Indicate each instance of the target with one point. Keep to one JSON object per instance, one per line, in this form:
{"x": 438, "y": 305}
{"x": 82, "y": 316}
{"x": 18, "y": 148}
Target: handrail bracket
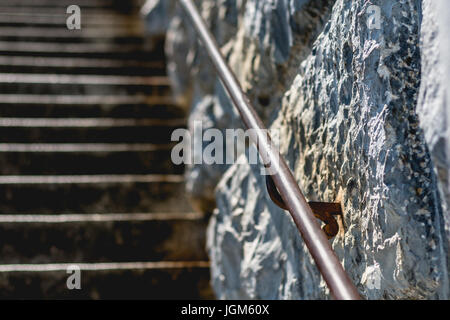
{"x": 325, "y": 211}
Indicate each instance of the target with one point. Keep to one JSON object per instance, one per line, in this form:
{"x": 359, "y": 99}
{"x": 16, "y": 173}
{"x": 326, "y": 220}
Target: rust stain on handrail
{"x": 339, "y": 283}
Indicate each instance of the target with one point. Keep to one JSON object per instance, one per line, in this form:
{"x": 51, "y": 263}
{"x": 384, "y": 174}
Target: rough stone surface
{"x": 196, "y": 86}
{"x": 263, "y": 58}
{"x": 349, "y": 130}
{"x": 156, "y": 15}
{"x": 347, "y": 124}
{"x": 434, "y": 100}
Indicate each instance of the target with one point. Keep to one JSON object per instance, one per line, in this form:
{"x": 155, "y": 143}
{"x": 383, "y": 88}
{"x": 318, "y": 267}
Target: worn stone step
{"x": 93, "y": 193}
{"x": 37, "y": 79}
{"x": 65, "y": 3}
{"x": 102, "y": 238}
{"x": 73, "y": 106}
{"x": 82, "y": 100}
{"x": 60, "y": 21}
{"x": 87, "y": 130}
{"x": 66, "y": 159}
{"x": 80, "y": 66}
{"x": 106, "y": 195}
{"x": 104, "y": 50}
{"x": 64, "y": 36}
{"x": 57, "y": 34}
{"x": 122, "y": 9}
{"x": 84, "y": 88}
{"x": 135, "y": 280}
{"x": 77, "y": 38}
{"x": 82, "y": 84}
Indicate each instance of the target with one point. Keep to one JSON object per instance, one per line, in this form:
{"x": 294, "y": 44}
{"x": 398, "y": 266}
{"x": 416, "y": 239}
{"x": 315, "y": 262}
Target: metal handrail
{"x": 339, "y": 283}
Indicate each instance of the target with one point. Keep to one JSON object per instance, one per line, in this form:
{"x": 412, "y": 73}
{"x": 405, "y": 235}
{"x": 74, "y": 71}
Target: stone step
{"x": 82, "y": 100}
{"x": 86, "y": 175}
{"x": 122, "y": 237}
{"x": 65, "y": 3}
{"x": 91, "y": 33}
{"x": 84, "y": 88}
{"x": 122, "y": 10}
{"x": 87, "y": 130}
{"x": 37, "y": 79}
{"x": 93, "y": 193}
{"x": 135, "y": 280}
{"x": 82, "y": 84}
{"x": 78, "y": 39}
{"x": 74, "y": 159}
{"x": 101, "y": 50}
{"x": 76, "y": 106}
{"x": 80, "y": 66}
{"x": 60, "y": 21}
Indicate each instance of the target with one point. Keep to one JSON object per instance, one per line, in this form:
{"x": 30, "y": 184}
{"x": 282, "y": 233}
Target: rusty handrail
{"x": 339, "y": 283}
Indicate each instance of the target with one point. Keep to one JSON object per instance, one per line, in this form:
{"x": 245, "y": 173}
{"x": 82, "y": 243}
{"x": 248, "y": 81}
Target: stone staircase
{"x": 86, "y": 176}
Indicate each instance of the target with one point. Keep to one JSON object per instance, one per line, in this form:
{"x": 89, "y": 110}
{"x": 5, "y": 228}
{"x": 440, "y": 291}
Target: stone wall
{"x": 434, "y": 100}
{"x": 355, "y": 91}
